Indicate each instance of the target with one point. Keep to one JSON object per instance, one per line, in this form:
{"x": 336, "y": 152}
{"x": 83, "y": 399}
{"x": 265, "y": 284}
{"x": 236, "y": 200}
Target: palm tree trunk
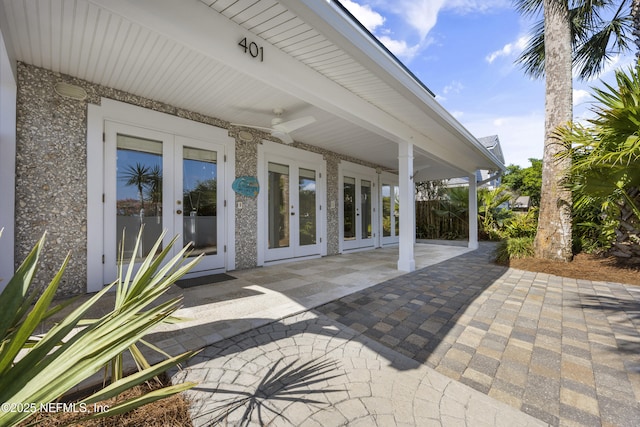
{"x": 553, "y": 237}
{"x": 635, "y": 15}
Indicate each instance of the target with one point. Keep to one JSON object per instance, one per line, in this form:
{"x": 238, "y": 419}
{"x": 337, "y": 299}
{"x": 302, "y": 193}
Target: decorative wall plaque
{"x": 247, "y": 186}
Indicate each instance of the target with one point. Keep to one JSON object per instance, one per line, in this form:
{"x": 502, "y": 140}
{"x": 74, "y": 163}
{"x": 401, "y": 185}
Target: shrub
{"x": 514, "y": 248}
{"x": 521, "y": 225}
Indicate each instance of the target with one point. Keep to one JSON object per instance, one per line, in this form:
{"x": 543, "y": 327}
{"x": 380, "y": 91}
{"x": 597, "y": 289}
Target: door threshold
{"x": 294, "y": 259}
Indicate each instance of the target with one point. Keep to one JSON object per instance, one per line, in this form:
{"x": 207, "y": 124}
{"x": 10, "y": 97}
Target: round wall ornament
{"x": 247, "y": 186}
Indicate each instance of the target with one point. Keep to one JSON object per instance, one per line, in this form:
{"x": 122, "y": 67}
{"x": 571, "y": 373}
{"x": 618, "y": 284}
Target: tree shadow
{"x": 411, "y": 314}
{"x": 414, "y": 313}
{"x": 611, "y": 306}
{"x": 288, "y": 384}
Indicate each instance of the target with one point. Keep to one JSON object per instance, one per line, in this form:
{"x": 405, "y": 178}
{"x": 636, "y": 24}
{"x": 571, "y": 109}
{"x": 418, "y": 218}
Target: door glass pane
{"x": 278, "y": 194}
{"x": 307, "y": 202}
{"x": 365, "y": 208}
{"x": 386, "y": 210}
{"x": 199, "y": 189}
{"x": 138, "y": 194}
{"x": 396, "y": 196}
{"x": 349, "y": 198}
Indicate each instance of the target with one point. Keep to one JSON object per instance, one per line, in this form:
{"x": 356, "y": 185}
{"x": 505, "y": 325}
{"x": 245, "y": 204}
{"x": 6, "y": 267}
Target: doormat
{"x": 203, "y": 280}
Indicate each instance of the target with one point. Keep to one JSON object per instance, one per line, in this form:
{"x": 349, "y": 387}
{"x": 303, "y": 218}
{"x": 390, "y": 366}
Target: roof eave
{"x": 354, "y": 38}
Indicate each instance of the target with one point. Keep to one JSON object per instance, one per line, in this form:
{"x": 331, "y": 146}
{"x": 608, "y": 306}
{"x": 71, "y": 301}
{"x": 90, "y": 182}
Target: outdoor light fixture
{"x": 245, "y": 136}
{"x": 70, "y": 91}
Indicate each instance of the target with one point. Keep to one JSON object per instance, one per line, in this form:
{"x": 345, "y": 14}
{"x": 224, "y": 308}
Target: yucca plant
{"x": 37, "y": 371}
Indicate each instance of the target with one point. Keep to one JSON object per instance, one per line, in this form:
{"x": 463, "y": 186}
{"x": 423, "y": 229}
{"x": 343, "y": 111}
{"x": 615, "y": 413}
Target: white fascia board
{"x": 8, "y": 96}
{"x": 358, "y": 43}
{"x": 7, "y": 43}
{"x": 196, "y": 26}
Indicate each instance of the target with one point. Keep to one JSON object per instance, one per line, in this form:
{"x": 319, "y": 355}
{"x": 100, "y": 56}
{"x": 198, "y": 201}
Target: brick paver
{"x": 565, "y": 351}
{"x": 308, "y": 370}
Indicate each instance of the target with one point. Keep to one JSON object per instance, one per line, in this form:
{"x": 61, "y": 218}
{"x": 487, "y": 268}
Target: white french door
{"x": 390, "y": 209}
{"x": 359, "y": 198}
{"x": 156, "y": 181}
{"x": 292, "y": 206}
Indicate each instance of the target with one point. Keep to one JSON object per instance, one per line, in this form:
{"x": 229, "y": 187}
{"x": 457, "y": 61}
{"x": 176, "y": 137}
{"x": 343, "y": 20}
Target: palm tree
{"x": 606, "y": 157}
{"x": 139, "y": 176}
{"x": 553, "y": 237}
{"x": 635, "y": 16}
{"x": 600, "y": 29}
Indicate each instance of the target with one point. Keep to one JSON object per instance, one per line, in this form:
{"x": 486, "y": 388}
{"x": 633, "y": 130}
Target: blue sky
{"x": 464, "y": 51}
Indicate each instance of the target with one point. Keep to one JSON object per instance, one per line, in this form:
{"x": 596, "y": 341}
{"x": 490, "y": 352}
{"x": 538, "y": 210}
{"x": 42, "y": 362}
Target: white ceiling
{"x": 104, "y": 45}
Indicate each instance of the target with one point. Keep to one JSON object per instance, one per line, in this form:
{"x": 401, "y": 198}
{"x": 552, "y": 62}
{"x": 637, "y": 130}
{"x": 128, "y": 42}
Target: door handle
{"x": 293, "y": 213}
{"x": 179, "y": 212}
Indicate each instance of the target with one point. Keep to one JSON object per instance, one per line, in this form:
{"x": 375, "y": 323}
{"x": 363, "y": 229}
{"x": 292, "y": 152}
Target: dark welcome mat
{"x": 203, "y": 280}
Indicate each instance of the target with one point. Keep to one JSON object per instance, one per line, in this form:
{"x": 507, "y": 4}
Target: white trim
{"x": 8, "y": 97}
{"x": 95, "y": 189}
{"x": 269, "y": 150}
{"x": 391, "y": 179}
{"x": 473, "y": 212}
{"x": 406, "y": 260}
{"x": 154, "y": 121}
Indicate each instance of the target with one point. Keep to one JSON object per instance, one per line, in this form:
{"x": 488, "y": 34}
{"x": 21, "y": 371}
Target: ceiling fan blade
{"x": 291, "y": 125}
{"x": 262, "y": 128}
{"x": 283, "y": 136}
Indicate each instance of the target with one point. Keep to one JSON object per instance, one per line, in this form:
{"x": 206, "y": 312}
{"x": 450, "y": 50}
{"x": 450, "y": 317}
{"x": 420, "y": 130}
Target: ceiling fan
{"x": 281, "y": 129}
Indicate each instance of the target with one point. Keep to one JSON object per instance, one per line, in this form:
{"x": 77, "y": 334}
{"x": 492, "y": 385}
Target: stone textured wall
{"x": 246, "y": 232}
{"x": 51, "y": 174}
{"x": 333, "y": 195}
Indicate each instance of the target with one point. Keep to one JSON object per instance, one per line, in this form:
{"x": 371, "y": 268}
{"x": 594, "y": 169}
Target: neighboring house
{"x": 262, "y": 131}
{"x": 486, "y": 178}
{"x": 521, "y": 204}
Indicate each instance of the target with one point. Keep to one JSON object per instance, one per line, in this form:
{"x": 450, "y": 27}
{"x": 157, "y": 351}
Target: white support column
{"x": 473, "y": 212}
{"x": 406, "y": 261}
{"x": 8, "y": 91}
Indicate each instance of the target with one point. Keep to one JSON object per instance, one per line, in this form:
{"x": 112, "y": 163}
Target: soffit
{"x": 79, "y": 38}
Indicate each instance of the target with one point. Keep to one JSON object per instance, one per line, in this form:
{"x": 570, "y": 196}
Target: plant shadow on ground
{"x": 287, "y": 384}
{"x": 619, "y": 312}
{"x": 426, "y": 304}
{"x": 413, "y": 313}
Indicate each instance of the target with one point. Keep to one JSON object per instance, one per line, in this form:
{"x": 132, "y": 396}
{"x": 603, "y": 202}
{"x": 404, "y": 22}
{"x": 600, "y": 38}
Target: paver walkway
{"x": 566, "y": 351}
{"x": 461, "y": 342}
{"x": 307, "y": 370}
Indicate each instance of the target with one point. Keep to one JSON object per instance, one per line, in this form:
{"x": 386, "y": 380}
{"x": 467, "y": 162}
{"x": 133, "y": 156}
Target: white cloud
{"x": 580, "y": 95}
{"x": 508, "y": 50}
{"x": 363, "y": 13}
{"x": 453, "y": 87}
{"x": 422, "y": 15}
{"x": 400, "y": 48}
{"x": 471, "y": 6}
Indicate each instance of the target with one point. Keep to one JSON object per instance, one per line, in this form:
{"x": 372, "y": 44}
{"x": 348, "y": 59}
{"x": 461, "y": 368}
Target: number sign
{"x": 252, "y": 49}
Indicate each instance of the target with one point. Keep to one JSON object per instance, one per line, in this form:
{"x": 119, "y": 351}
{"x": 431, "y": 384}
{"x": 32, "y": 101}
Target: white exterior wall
{"x": 7, "y": 164}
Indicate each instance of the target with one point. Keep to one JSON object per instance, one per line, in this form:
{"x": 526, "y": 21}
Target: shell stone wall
{"x": 51, "y": 175}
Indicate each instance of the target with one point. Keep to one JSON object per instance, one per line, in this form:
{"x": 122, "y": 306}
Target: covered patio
{"x": 232, "y": 65}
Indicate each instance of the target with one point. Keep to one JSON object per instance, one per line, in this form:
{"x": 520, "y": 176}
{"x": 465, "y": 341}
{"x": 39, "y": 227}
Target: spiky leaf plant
{"x": 35, "y": 371}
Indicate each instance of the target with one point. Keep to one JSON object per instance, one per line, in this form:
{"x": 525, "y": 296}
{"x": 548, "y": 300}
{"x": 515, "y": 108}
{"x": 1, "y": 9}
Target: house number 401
{"x": 252, "y": 49}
